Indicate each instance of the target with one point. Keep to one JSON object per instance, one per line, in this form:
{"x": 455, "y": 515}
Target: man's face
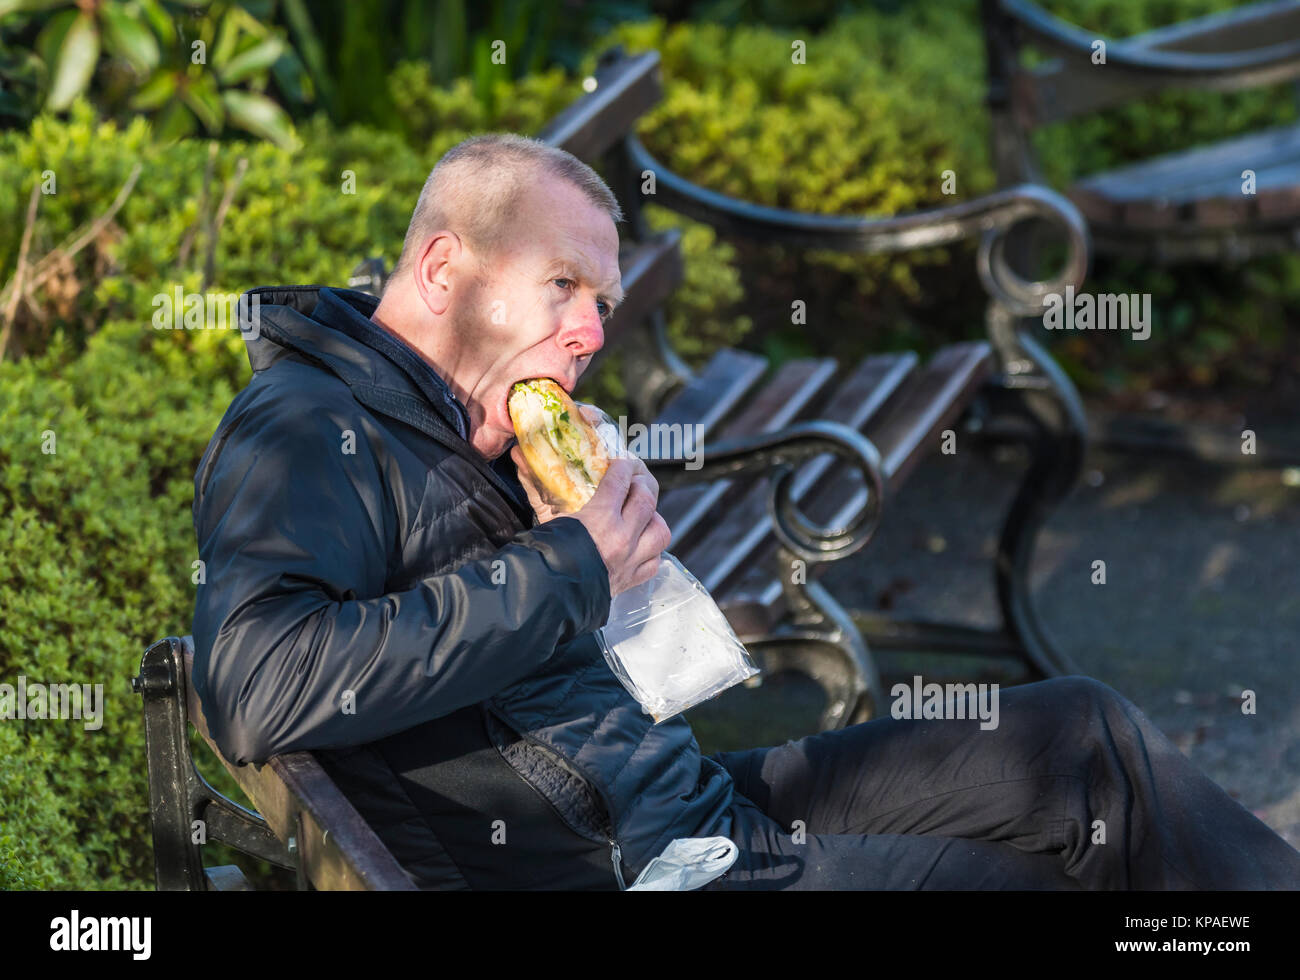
{"x": 540, "y": 312}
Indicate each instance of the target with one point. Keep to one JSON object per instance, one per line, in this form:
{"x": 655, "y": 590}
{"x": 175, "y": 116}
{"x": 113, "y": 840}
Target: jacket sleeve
{"x": 295, "y": 645}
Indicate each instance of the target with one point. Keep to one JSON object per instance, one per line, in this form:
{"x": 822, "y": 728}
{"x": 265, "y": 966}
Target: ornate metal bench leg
{"x": 1034, "y": 387}
{"x": 823, "y": 644}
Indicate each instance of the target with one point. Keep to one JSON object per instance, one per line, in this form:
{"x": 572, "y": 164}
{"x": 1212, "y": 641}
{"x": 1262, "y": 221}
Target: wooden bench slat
{"x": 715, "y": 390}
{"x": 732, "y": 544}
{"x": 930, "y": 400}
{"x": 943, "y": 389}
{"x": 1179, "y": 177}
{"x": 934, "y": 399}
{"x": 792, "y": 392}
{"x": 598, "y": 120}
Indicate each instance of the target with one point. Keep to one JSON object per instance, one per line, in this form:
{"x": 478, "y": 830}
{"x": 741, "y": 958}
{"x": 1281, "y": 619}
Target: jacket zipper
{"x": 616, "y": 852}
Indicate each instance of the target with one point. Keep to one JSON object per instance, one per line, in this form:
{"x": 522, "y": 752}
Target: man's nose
{"x": 582, "y": 333}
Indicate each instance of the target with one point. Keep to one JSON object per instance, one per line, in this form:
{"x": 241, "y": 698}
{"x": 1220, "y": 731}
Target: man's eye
{"x": 606, "y": 310}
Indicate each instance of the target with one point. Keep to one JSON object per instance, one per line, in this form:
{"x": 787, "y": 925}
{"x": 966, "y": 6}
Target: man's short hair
{"x": 476, "y": 188}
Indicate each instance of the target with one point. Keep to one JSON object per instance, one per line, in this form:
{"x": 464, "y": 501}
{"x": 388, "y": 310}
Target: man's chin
{"x": 491, "y": 445}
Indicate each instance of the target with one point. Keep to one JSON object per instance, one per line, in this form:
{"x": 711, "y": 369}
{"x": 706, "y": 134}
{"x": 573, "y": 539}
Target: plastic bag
{"x": 666, "y": 640}
{"x": 686, "y": 864}
{"x": 670, "y": 645}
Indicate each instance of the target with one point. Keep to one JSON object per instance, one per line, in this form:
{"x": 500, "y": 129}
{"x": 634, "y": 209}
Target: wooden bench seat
{"x": 901, "y": 407}
{"x": 1200, "y": 188}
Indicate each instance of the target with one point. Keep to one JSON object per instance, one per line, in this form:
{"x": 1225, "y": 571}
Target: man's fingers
{"x": 663, "y": 533}
{"x": 613, "y": 487}
{"x": 646, "y": 570}
{"x": 653, "y": 540}
{"x": 639, "y": 507}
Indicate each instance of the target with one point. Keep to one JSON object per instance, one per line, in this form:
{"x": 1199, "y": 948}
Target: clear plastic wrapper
{"x": 666, "y": 640}
{"x": 670, "y": 645}
{"x": 686, "y": 864}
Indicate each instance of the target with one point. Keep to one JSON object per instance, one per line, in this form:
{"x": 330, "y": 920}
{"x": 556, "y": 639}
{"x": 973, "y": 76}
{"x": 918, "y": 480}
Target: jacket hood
{"x": 285, "y": 322}
{"x": 363, "y": 355}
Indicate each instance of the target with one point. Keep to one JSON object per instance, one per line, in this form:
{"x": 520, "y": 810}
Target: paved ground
{"x": 1201, "y": 601}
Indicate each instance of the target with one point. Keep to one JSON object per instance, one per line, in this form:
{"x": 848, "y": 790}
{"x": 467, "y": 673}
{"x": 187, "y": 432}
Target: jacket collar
{"x": 383, "y": 372}
{"x": 333, "y": 326}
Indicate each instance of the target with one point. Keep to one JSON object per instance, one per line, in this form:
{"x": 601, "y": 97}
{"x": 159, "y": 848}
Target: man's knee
{"x": 1076, "y": 689}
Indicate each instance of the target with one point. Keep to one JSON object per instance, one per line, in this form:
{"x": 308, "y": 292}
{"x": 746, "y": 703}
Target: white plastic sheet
{"x": 667, "y": 640}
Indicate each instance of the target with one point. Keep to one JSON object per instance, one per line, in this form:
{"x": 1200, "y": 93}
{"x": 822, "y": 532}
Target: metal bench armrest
{"x": 779, "y": 454}
{"x": 1136, "y": 56}
{"x": 991, "y": 217}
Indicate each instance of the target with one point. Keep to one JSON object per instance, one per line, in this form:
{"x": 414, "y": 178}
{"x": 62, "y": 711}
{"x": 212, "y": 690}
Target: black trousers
{"x": 1074, "y": 789}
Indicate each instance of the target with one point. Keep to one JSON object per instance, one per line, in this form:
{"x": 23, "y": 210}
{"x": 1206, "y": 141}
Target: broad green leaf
{"x": 223, "y": 48}
{"x": 256, "y": 59}
{"x": 160, "y": 21}
{"x": 76, "y": 62}
{"x": 202, "y": 97}
{"x": 309, "y": 46}
{"x": 27, "y": 6}
{"x": 175, "y": 122}
{"x": 128, "y": 38}
{"x": 50, "y": 39}
{"x": 259, "y": 115}
{"x": 293, "y": 79}
{"x": 160, "y": 87}
{"x": 450, "y": 40}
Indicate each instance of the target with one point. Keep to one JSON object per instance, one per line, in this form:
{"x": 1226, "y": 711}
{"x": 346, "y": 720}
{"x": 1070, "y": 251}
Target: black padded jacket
{"x": 366, "y": 572}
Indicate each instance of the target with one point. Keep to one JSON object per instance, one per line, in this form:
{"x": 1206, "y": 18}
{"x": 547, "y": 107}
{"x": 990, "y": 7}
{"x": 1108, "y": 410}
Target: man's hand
{"x": 622, "y": 520}
{"x": 620, "y": 517}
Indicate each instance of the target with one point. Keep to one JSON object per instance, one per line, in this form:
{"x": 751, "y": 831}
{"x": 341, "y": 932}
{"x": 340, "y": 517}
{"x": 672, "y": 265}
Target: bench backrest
{"x": 1237, "y": 49}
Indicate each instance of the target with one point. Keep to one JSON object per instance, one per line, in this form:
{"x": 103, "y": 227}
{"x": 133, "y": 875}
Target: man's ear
{"x": 436, "y": 270}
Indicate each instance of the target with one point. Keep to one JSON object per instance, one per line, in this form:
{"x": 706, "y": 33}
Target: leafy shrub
{"x": 97, "y": 558}
{"x": 141, "y": 58}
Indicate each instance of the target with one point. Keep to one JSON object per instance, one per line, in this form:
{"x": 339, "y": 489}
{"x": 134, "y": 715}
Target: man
{"x": 384, "y": 587}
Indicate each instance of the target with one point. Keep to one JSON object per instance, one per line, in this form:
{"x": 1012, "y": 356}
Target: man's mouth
{"x": 564, "y": 383}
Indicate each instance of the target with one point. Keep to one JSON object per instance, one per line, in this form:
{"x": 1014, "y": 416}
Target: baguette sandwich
{"x": 561, "y": 447}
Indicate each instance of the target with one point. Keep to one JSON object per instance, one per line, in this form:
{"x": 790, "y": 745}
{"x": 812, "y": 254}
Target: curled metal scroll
{"x": 992, "y": 217}
{"x": 779, "y": 454}
{"x": 1021, "y": 296}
